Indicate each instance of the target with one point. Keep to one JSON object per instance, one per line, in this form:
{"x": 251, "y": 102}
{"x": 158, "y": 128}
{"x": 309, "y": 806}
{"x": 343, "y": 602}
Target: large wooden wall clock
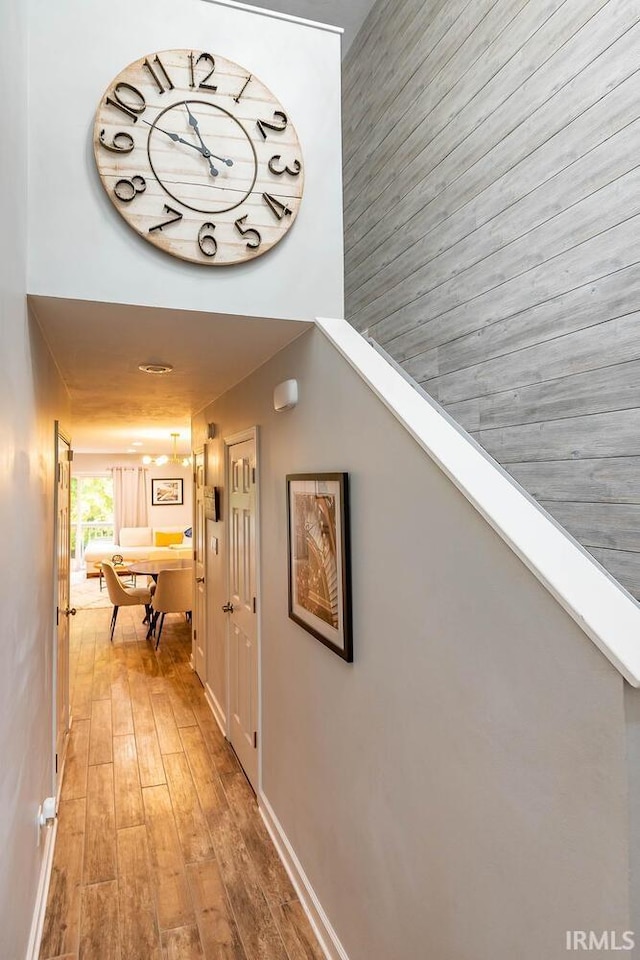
{"x": 199, "y": 157}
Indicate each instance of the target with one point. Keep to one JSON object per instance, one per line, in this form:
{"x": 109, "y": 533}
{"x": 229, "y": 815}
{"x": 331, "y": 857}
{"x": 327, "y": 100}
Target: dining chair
{"x": 121, "y": 596}
{"x": 173, "y": 594}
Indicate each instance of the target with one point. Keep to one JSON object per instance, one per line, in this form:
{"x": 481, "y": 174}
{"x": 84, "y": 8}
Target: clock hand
{"x": 205, "y": 150}
{"x": 176, "y": 139}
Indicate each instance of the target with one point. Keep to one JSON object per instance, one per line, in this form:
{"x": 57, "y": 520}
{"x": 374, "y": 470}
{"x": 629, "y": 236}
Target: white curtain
{"x": 129, "y": 498}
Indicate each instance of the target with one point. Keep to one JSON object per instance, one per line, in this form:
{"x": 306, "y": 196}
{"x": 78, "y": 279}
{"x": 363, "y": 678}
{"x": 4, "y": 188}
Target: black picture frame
{"x": 167, "y": 491}
{"x": 319, "y": 558}
{"x": 212, "y": 503}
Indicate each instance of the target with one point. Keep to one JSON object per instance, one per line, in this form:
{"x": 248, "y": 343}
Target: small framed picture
{"x": 166, "y": 492}
{"x": 212, "y": 503}
{"x": 319, "y": 558}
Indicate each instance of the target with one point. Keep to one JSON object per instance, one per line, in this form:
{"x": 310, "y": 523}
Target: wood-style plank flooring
{"x": 161, "y": 853}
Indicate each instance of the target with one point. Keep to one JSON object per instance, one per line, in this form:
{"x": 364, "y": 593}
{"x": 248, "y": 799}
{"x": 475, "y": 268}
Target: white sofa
{"x": 139, "y": 543}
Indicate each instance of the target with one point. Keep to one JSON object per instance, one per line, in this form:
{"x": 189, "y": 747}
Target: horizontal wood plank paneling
{"x": 599, "y": 391}
{"x": 602, "y": 345}
{"x": 624, "y": 566}
{"x": 511, "y": 123}
{"x": 492, "y": 217}
{"x": 481, "y": 196}
{"x": 611, "y": 525}
{"x": 584, "y": 306}
{"x": 608, "y": 480}
{"x": 591, "y": 437}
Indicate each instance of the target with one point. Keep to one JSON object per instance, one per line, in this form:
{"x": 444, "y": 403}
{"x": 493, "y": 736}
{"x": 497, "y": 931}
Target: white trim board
{"x": 218, "y": 713}
{"x": 42, "y": 893}
{"x": 278, "y": 15}
{"x": 320, "y": 923}
{"x": 608, "y": 615}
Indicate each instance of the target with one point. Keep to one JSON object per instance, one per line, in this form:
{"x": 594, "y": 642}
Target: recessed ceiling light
{"x": 155, "y": 367}
{"x": 136, "y": 443}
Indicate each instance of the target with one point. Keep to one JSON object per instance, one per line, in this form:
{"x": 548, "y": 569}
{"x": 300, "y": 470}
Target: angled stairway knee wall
{"x": 476, "y": 745}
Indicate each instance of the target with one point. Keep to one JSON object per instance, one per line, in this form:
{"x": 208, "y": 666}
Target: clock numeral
{"x": 165, "y": 223}
{"x": 126, "y": 190}
{"x": 158, "y": 61}
{"x": 122, "y": 142}
{"x": 245, "y": 231}
{"x": 246, "y": 84}
{"x": 206, "y": 240}
{"x": 279, "y": 123}
{"x": 130, "y": 109}
{"x": 297, "y": 167}
{"x": 278, "y": 209}
{"x": 203, "y": 85}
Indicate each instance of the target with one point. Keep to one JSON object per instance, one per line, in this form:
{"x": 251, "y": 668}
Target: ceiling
{"x": 348, "y": 14}
{"x": 98, "y": 347}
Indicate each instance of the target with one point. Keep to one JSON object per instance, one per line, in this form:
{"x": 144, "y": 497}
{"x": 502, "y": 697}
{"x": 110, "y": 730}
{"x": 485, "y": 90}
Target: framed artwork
{"x": 166, "y": 492}
{"x": 319, "y": 558}
{"x": 212, "y": 503}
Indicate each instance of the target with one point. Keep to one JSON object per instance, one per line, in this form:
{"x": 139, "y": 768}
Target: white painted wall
{"x": 79, "y": 245}
{"x": 164, "y": 516}
{"x": 461, "y": 789}
{"x": 30, "y": 399}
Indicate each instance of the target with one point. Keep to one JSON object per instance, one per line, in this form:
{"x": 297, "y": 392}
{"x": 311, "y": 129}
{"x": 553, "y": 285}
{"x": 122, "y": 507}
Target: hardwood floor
{"x": 161, "y": 853}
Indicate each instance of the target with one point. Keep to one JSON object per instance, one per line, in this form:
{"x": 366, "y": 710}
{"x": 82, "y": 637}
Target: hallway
{"x": 161, "y": 853}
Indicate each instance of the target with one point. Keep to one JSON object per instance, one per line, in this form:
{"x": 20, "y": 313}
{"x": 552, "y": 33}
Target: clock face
{"x": 199, "y": 157}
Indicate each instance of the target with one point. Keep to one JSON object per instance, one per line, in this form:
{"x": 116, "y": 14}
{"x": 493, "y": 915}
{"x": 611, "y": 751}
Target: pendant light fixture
{"x": 163, "y": 459}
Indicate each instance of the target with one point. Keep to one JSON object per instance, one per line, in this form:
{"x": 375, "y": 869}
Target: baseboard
{"x": 327, "y": 937}
{"x": 216, "y": 709}
{"x": 40, "y": 908}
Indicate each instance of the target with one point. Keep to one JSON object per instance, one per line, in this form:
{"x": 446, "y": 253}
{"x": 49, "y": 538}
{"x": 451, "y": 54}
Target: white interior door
{"x": 241, "y": 608}
{"x": 63, "y": 611}
{"x": 199, "y": 571}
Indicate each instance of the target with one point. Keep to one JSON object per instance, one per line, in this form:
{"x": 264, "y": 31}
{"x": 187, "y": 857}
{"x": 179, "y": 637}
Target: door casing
{"x": 252, "y": 433}
{"x": 199, "y": 624}
{"x": 61, "y": 710}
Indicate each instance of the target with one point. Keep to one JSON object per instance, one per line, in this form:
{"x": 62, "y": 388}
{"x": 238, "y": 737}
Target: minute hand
{"x": 205, "y": 150}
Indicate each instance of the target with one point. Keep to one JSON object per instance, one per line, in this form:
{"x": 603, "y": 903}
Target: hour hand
{"x": 194, "y": 123}
{"x": 202, "y": 150}
{"x": 206, "y": 152}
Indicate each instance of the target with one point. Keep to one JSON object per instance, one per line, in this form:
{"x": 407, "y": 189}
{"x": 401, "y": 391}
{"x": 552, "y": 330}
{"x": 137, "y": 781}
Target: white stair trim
{"x": 608, "y": 615}
{"x": 278, "y": 15}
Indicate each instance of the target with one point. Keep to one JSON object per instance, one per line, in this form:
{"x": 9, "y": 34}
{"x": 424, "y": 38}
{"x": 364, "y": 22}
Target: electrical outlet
{"x": 46, "y": 815}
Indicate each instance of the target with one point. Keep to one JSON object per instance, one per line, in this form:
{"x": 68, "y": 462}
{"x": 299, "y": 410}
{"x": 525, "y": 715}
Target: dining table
{"x": 152, "y": 568}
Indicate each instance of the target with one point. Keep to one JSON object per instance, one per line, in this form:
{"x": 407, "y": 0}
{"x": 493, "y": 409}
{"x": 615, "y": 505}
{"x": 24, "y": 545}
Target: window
{"x": 91, "y": 513}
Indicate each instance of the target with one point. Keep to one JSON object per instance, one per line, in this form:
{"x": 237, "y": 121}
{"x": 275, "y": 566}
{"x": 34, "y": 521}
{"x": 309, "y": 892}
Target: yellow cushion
{"x": 166, "y": 539}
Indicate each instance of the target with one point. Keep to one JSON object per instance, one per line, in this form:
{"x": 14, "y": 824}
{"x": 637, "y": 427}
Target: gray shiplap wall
{"x": 492, "y": 237}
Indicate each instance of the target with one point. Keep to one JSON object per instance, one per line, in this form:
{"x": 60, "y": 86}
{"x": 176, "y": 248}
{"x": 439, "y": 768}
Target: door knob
{"x": 227, "y": 607}
{"x": 70, "y": 612}
{"x": 199, "y": 579}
